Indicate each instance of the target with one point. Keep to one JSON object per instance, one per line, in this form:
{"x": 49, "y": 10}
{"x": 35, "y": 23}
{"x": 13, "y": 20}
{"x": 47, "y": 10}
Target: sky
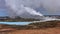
{"x": 3, "y": 11}
{"x": 52, "y": 6}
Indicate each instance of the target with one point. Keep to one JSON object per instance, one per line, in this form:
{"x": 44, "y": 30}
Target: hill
{"x": 16, "y": 19}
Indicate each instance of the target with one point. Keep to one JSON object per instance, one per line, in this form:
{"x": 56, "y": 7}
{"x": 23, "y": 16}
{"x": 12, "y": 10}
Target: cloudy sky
{"x": 3, "y": 10}
{"x": 51, "y": 7}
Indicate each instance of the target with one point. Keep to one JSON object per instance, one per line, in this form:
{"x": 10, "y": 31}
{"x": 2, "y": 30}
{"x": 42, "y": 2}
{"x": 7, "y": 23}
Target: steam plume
{"x": 52, "y": 6}
{"x": 19, "y": 7}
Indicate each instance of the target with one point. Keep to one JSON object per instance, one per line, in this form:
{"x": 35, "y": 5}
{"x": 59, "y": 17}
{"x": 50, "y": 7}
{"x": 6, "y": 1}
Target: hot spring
{"x": 26, "y": 8}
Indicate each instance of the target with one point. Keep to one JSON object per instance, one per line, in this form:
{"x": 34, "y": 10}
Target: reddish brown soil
{"x": 40, "y": 31}
{"x": 7, "y": 29}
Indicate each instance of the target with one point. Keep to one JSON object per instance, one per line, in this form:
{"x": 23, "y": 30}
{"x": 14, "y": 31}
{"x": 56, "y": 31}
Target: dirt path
{"x": 41, "y": 31}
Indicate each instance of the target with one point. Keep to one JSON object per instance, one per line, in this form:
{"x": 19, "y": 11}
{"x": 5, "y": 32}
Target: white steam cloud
{"x": 19, "y": 7}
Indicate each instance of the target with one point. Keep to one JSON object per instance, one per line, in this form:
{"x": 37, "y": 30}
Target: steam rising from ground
{"x": 19, "y": 7}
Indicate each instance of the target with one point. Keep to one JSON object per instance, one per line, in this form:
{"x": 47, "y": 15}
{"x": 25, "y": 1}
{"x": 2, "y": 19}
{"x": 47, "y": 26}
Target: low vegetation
{"x": 17, "y": 19}
{"x": 39, "y": 25}
{"x": 45, "y": 24}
